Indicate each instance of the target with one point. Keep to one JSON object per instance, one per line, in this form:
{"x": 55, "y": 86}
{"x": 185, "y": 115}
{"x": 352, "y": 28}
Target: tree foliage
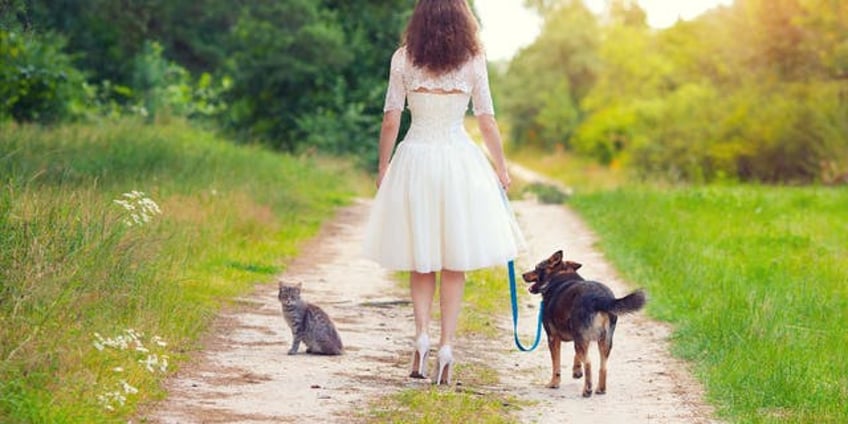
{"x": 296, "y": 74}
{"x": 754, "y": 91}
{"x": 37, "y": 80}
{"x": 548, "y": 79}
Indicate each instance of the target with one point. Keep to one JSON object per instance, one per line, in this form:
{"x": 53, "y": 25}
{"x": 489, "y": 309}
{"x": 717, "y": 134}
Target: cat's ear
{"x": 280, "y": 283}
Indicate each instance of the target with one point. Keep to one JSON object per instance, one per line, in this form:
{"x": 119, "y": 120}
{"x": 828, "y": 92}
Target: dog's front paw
{"x": 587, "y": 393}
{"x": 577, "y": 373}
{"x": 600, "y": 391}
{"x": 554, "y": 384}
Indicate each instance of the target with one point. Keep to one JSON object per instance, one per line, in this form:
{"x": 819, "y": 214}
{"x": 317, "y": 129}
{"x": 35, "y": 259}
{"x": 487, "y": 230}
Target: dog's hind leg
{"x": 604, "y": 348}
{"x": 554, "y": 344}
{"x": 577, "y": 368}
{"x": 581, "y": 350}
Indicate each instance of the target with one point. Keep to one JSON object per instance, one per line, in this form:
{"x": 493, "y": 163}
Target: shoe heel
{"x": 445, "y": 368}
{"x": 419, "y": 357}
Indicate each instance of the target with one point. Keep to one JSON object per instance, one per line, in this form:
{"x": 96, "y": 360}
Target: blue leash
{"x": 514, "y": 299}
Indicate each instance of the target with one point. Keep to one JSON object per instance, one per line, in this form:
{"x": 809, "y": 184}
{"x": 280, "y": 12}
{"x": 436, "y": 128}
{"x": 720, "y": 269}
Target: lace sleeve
{"x": 396, "y": 93}
{"x": 481, "y": 96}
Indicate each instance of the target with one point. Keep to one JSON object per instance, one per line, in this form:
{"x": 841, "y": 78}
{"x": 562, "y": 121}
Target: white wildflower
{"x": 150, "y": 206}
{"x": 150, "y": 362}
{"x": 127, "y": 388}
{"x": 141, "y": 209}
{"x": 99, "y": 344}
{"x": 126, "y": 205}
{"x": 133, "y": 342}
{"x": 109, "y": 398}
{"x": 105, "y": 401}
{"x": 155, "y": 362}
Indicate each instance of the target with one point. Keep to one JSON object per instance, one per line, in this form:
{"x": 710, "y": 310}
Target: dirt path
{"x": 244, "y": 375}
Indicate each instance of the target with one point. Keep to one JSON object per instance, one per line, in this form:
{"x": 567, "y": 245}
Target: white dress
{"x": 440, "y": 205}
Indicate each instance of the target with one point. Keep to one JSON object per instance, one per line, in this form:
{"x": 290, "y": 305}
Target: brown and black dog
{"x": 578, "y": 310}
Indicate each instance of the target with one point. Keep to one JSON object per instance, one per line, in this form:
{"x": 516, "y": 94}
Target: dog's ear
{"x": 555, "y": 258}
{"x": 573, "y": 265}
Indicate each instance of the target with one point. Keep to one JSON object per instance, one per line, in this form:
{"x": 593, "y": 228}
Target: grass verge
{"x": 755, "y": 281}
{"x": 438, "y": 405}
{"x": 99, "y": 299}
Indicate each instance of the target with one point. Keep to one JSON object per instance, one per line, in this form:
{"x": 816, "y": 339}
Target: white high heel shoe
{"x": 419, "y": 357}
{"x": 445, "y": 368}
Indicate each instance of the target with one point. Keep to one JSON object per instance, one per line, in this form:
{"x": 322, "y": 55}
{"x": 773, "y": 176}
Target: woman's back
{"x": 470, "y": 78}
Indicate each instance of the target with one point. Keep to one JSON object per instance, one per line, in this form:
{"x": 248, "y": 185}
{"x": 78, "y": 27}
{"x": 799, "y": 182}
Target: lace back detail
{"x": 471, "y": 78}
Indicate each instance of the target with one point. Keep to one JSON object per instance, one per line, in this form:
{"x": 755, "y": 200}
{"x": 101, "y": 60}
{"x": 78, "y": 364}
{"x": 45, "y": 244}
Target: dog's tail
{"x": 630, "y": 303}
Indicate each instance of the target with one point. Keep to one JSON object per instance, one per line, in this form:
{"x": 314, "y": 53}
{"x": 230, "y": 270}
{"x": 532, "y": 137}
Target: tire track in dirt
{"x": 244, "y": 375}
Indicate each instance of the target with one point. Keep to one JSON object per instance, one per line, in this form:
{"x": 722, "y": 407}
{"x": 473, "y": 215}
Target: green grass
{"x": 435, "y": 404}
{"x": 754, "y": 280}
{"x": 70, "y": 266}
{"x": 485, "y": 300}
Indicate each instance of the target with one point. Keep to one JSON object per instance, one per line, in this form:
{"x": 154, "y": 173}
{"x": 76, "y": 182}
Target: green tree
{"x": 286, "y": 62}
{"x": 547, "y": 80}
{"x": 38, "y": 82}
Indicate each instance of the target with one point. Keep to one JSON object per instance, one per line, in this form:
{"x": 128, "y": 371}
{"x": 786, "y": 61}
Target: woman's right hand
{"x": 503, "y": 176}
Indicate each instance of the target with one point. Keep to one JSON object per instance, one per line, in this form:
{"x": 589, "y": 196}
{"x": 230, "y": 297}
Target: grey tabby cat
{"x": 309, "y": 323}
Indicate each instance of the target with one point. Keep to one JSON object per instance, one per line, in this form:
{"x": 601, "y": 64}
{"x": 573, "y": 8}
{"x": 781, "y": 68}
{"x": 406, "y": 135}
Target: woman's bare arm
{"x": 388, "y": 135}
{"x": 492, "y": 139}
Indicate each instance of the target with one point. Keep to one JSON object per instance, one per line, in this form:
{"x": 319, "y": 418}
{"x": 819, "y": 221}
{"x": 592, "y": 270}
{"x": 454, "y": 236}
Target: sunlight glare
{"x": 507, "y": 25}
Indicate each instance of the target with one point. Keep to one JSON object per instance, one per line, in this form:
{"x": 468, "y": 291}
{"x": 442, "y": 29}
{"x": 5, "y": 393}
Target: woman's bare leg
{"x": 422, "y": 287}
{"x": 450, "y": 303}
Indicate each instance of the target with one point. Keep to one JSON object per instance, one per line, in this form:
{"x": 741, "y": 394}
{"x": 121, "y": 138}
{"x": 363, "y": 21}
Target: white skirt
{"x": 440, "y": 207}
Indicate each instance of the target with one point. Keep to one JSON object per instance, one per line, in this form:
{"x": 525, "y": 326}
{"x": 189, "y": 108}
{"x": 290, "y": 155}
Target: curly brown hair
{"x": 441, "y": 35}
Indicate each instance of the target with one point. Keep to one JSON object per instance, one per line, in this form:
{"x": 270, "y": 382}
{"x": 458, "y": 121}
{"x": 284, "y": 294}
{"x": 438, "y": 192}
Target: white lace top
{"x": 471, "y": 78}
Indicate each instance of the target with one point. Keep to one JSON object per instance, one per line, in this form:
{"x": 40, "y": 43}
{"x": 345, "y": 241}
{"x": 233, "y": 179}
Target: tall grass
{"x": 74, "y": 275}
{"x": 755, "y": 281}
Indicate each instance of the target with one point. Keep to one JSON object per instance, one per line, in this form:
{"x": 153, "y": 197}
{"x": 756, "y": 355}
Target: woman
{"x": 439, "y": 206}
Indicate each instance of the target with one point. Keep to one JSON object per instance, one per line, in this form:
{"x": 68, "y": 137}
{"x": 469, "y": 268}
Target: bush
{"x": 772, "y": 133}
{"x": 38, "y": 83}
{"x": 163, "y": 87}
